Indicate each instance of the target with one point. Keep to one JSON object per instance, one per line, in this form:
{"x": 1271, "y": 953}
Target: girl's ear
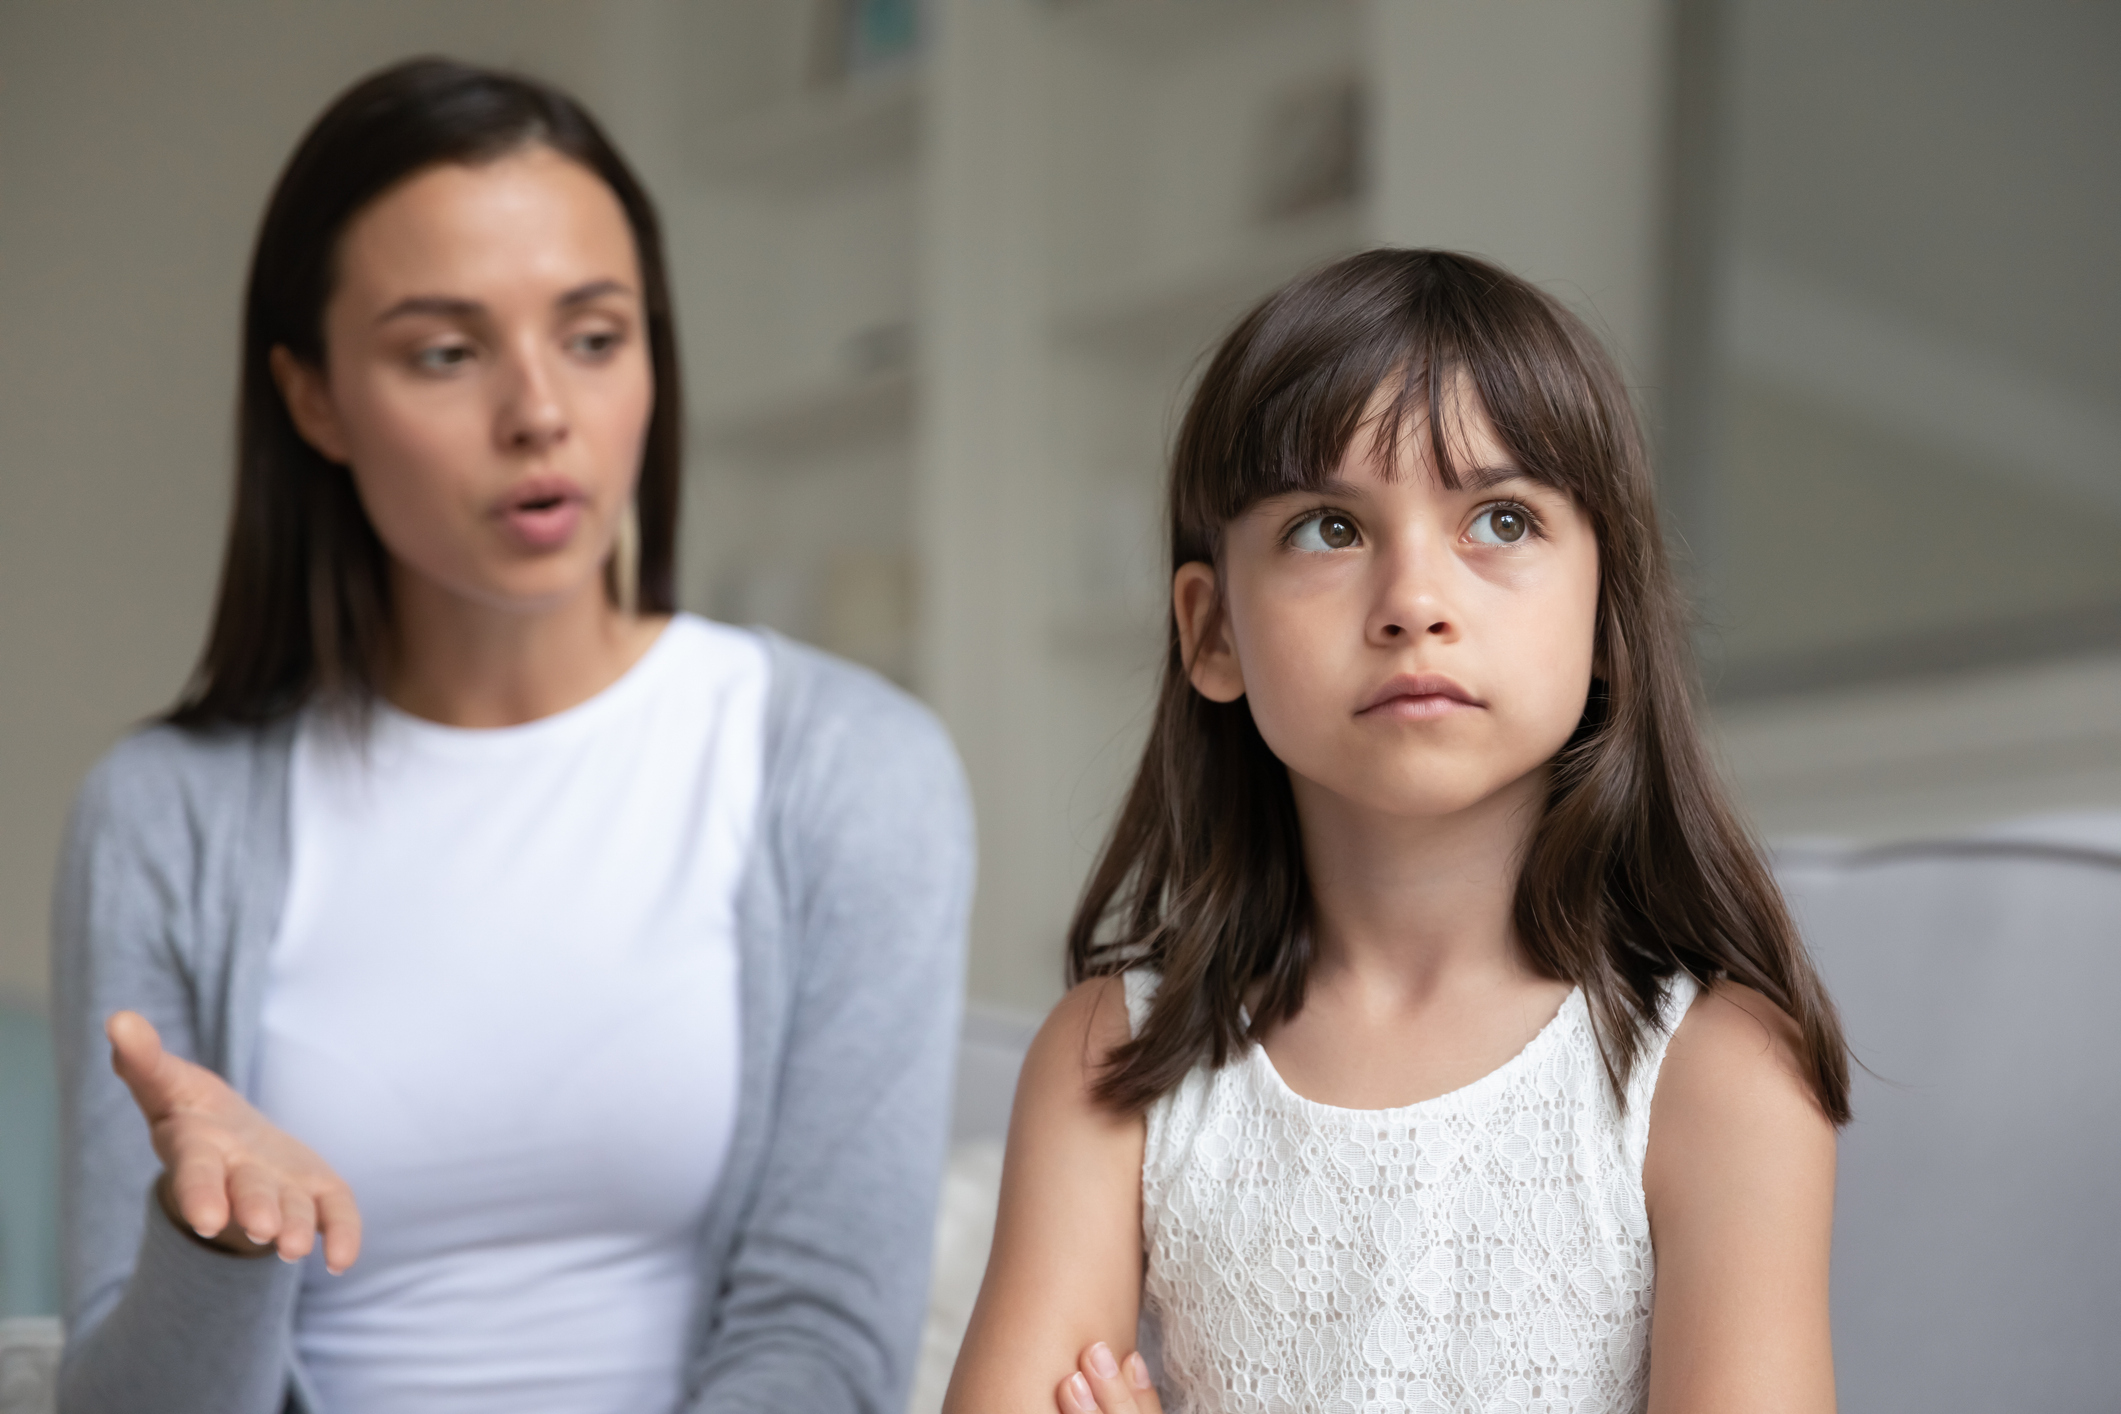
{"x": 1204, "y": 642}
{"x": 309, "y": 404}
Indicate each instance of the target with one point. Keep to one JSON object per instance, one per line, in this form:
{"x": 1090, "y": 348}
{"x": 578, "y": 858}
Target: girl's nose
{"x": 1411, "y": 602}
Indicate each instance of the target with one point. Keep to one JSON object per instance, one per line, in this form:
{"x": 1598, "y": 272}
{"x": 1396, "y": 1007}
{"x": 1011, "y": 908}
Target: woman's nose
{"x": 532, "y": 415}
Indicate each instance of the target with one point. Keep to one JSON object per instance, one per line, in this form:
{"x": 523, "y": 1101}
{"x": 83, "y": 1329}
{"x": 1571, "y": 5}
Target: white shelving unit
{"x": 1158, "y": 314}
{"x": 819, "y": 135}
{"x": 802, "y": 343}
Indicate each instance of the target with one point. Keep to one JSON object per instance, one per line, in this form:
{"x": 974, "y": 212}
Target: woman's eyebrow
{"x": 595, "y": 289}
{"x": 455, "y": 307}
{"x": 447, "y": 306}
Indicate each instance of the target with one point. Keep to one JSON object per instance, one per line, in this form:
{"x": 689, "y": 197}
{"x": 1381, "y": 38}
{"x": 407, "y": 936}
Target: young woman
{"x": 1441, "y": 1043}
{"x": 561, "y": 986}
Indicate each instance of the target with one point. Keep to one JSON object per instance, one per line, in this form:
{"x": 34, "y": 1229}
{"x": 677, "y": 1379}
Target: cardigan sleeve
{"x": 821, "y": 1302}
{"x": 155, "y": 1321}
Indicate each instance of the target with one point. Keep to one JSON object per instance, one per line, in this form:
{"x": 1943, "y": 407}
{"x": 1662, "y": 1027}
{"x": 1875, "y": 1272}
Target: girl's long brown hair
{"x": 1638, "y": 870}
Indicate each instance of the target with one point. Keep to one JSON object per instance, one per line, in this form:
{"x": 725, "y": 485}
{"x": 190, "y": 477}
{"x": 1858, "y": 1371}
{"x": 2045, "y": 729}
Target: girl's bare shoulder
{"x": 1076, "y": 1041}
{"x": 1733, "y": 1038}
{"x": 1732, "y": 1096}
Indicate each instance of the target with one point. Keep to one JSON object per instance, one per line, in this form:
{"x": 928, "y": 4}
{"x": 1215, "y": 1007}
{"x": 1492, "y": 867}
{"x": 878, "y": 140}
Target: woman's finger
{"x": 341, "y": 1221}
{"x": 255, "y": 1196}
{"x": 298, "y": 1224}
{"x": 198, "y": 1192}
{"x": 136, "y": 1055}
{"x": 162, "y": 1085}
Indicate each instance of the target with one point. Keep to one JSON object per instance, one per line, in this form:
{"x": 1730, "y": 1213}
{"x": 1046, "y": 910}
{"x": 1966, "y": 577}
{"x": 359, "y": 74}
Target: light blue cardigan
{"x": 814, "y": 1255}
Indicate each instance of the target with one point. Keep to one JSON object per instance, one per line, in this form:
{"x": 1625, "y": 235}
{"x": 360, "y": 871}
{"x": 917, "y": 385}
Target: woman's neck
{"x": 466, "y": 664}
{"x": 1413, "y": 906}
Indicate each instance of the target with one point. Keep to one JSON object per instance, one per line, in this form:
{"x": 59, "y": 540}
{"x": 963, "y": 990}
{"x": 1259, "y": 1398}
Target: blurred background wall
{"x": 945, "y": 270}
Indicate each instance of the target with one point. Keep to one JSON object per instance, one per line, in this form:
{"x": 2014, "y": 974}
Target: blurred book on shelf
{"x": 1311, "y": 154}
{"x": 856, "y": 39}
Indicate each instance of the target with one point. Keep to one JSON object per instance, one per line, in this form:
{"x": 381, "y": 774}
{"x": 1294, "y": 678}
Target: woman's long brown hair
{"x": 1638, "y": 869}
{"x": 303, "y": 611}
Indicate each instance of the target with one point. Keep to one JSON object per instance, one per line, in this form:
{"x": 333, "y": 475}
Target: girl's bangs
{"x": 1415, "y": 370}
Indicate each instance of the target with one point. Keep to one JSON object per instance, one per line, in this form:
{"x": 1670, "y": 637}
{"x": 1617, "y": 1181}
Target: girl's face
{"x": 487, "y": 378}
{"x": 1411, "y": 649}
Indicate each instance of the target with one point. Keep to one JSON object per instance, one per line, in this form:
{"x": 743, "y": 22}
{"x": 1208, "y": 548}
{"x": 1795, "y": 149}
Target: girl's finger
{"x": 1109, "y": 1390}
{"x": 1074, "y": 1396}
{"x": 1136, "y": 1372}
{"x": 341, "y": 1222}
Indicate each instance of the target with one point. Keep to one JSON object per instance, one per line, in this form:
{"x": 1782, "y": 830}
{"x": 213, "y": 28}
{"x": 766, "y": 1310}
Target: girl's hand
{"x": 228, "y": 1174}
{"x": 1102, "y": 1385}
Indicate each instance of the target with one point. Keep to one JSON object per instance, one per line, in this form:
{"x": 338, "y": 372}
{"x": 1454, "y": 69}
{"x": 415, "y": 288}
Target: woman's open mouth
{"x": 544, "y": 512}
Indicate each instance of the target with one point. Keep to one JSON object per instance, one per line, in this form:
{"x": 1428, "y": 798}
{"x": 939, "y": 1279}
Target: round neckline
{"x": 1542, "y": 1039}
{"x": 426, "y": 732}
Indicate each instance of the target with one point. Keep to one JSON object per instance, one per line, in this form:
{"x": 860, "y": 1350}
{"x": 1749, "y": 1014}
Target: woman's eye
{"x": 595, "y": 345}
{"x": 1501, "y": 525}
{"x": 442, "y": 358}
{"x": 1329, "y": 530}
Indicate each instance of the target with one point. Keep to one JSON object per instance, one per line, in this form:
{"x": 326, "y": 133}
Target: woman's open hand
{"x": 228, "y": 1174}
{"x": 1103, "y": 1385}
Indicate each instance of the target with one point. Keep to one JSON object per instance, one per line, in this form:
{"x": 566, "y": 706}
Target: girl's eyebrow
{"x": 1470, "y": 478}
{"x": 1487, "y": 478}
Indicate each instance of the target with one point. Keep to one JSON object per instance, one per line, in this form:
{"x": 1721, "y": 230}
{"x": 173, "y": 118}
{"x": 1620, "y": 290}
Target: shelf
{"x": 1168, "y": 29}
{"x": 814, "y": 417}
{"x": 868, "y": 123}
{"x": 1160, "y": 314}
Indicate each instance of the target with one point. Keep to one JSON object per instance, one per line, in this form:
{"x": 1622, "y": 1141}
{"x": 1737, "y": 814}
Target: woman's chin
{"x": 552, "y": 584}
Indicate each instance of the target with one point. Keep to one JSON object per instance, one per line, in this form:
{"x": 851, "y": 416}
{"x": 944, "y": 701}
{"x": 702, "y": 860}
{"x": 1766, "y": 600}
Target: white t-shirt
{"x": 503, "y": 1005}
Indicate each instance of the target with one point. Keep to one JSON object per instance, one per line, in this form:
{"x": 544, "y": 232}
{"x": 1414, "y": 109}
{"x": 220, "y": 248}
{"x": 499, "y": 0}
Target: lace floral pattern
{"x": 1486, "y": 1250}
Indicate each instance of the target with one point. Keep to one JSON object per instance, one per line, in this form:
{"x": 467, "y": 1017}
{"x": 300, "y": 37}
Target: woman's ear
{"x": 308, "y": 401}
{"x": 1204, "y": 641}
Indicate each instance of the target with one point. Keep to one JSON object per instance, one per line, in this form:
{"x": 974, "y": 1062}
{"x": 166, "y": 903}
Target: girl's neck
{"x": 1414, "y": 905}
{"x": 467, "y": 664}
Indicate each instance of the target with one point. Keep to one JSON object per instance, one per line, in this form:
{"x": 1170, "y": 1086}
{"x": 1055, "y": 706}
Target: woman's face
{"x": 487, "y": 378}
{"x": 1411, "y": 649}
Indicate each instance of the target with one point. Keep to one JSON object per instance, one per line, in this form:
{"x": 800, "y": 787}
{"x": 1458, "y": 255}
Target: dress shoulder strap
{"x": 1141, "y": 985}
{"x": 1679, "y": 995}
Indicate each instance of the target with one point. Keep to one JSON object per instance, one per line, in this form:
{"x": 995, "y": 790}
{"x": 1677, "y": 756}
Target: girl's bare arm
{"x": 1066, "y": 1269}
{"x": 1740, "y": 1184}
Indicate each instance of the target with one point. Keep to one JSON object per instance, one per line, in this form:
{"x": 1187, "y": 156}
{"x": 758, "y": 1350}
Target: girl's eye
{"x": 1501, "y": 525}
{"x": 1328, "y": 530}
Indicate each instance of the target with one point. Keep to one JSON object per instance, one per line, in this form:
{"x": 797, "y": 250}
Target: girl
{"x": 1440, "y": 1042}
{"x": 563, "y": 986}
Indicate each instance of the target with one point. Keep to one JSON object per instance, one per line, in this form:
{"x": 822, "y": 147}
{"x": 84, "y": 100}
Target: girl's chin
{"x": 1430, "y": 794}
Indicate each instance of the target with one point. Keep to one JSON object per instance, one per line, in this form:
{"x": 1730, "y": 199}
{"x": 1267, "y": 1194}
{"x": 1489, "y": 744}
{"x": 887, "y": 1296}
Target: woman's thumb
{"x": 136, "y": 1055}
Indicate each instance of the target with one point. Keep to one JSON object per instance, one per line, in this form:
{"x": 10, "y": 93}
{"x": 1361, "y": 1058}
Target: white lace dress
{"x": 1486, "y": 1250}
